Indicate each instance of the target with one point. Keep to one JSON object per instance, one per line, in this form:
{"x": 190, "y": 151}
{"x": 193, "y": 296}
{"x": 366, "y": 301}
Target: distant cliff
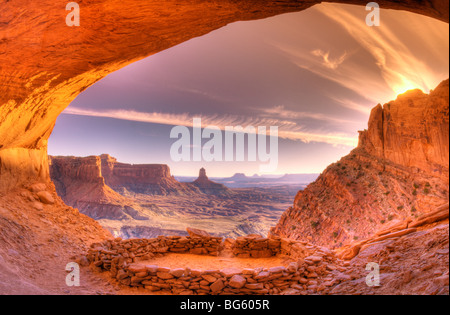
{"x": 103, "y": 188}
{"x": 205, "y": 185}
{"x": 150, "y": 179}
{"x": 79, "y": 182}
{"x": 399, "y": 170}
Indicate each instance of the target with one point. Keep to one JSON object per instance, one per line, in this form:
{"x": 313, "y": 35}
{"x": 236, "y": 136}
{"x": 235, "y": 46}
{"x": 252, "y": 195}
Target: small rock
{"x": 163, "y": 269}
{"x": 293, "y": 267}
{"x": 137, "y": 268}
{"x": 290, "y": 291}
{"x": 121, "y": 274}
{"x": 141, "y": 274}
{"x": 314, "y": 259}
{"x": 277, "y": 270}
{"x": 442, "y": 252}
{"x": 255, "y": 286}
{"x": 217, "y": 286}
{"x": 229, "y": 272}
{"x": 164, "y": 275}
{"x": 38, "y": 187}
{"x": 177, "y": 272}
{"x": 197, "y": 233}
{"x": 45, "y": 197}
{"x": 209, "y": 278}
{"x": 237, "y": 282}
{"x": 262, "y": 275}
{"x": 151, "y": 268}
{"x": 38, "y": 206}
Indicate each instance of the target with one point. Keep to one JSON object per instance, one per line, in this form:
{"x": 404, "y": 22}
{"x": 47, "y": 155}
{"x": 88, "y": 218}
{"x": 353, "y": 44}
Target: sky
{"x": 314, "y": 74}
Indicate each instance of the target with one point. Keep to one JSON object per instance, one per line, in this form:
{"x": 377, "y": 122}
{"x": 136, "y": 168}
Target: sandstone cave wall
{"x": 44, "y": 64}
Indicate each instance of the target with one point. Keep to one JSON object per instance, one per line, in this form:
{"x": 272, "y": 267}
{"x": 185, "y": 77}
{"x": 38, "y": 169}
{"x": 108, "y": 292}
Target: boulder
{"x": 38, "y": 187}
{"x": 217, "y": 286}
{"x": 197, "y": 233}
{"x": 45, "y": 197}
{"x": 237, "y": 282}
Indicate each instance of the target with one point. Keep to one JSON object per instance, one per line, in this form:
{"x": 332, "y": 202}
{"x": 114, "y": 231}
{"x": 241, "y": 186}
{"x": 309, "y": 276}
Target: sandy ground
{"x": 37, "y": 244}
{"x": 174, "y": 261}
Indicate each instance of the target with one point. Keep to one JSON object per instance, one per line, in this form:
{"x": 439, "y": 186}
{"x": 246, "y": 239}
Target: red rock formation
{"x": 209, "y": 187}
{"x": 150, "y": 179}
{"x": 44, "y": 64}
{"x": 397, "y": 230}
{"x": 399, "y": 170}
{"x": 412, "y": 131}
{"x": 79, "y": 182}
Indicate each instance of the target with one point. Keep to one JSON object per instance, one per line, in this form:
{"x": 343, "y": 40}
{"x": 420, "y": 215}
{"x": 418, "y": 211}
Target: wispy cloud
{"x": 326, "y": 59}
{"x": 368, "y": 85}
{"x": 347, "y": 103}
{"x": 287, "y": 128}
{"x": 399, "y": 67}
{"x": 381, "y": 62}
{"x": 281, "y": 112}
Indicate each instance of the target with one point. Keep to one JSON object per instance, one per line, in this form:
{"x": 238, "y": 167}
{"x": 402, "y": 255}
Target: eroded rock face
{"x": 44, "y": 64}
{"x": 79, "y": 182}
{"x": 150, "y": 179}
{"x": 207, "y": 186}
{"x": 400, "y": 170}
{"x": 412, "y": 131}
{"x": 103, "y": 188}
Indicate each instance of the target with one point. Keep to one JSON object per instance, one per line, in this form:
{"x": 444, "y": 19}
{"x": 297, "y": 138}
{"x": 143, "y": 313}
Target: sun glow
{"x": 403, "y": 87}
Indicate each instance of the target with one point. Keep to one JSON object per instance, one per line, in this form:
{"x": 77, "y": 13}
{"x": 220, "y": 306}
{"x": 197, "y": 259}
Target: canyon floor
{"x": 39, "y": 236}
{"x": 246, "y": 211}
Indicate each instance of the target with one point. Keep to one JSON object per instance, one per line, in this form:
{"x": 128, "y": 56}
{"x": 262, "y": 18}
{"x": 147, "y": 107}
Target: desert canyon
{"x": 386, "y": 202}
{"x": 147, "y": 201}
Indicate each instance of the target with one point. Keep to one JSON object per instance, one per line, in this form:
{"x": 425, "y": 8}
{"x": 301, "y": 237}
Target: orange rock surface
{"x": 79, "y": 182}
{"x": 151, "y": 179}
{"x": 399, "y": 170}
{"x": 44, "y": 64}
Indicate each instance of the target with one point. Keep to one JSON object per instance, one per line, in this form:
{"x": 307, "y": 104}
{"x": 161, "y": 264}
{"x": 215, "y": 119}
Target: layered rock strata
{"x": 79, "y": 182}
{"x": 399, "y": 170}
{"x": 207, "y": 186}
{"x": 149, "y": 179}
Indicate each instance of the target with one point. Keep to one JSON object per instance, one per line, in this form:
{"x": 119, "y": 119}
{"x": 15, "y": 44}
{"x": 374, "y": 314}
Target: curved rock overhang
{"x": 44, "y": 64}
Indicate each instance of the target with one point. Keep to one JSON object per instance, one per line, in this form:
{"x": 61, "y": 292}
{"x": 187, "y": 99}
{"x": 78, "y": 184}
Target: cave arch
{"x": 44, "y": 64}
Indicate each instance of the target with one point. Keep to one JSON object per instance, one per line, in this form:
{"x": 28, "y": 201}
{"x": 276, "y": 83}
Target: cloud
{"x": 368, "y": 84}
{"x": 282, "y": 112}
{"x": 400, "y": 68}
{"x": 287, "y": 129}
{"x": 327, "y": 62}
{"x": 377, "y": 63}
{"x": 345, "y": 102}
